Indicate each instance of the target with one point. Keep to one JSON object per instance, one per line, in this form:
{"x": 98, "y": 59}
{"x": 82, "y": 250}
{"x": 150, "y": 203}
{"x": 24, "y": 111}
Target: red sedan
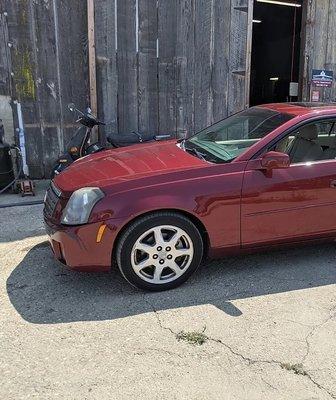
{"x": 263, "y": 177}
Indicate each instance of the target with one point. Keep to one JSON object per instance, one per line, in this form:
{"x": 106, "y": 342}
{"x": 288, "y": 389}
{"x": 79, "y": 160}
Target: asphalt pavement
{"x": 250, "y": 327}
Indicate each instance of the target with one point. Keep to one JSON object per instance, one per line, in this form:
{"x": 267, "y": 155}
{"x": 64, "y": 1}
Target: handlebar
{"x": 85, "y": 118}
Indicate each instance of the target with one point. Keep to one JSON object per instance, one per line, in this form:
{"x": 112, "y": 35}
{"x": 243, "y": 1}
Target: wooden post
{"x": 249, "y": 52}
{"x": 307, "y": 49}
{"x": 92, "y": 56}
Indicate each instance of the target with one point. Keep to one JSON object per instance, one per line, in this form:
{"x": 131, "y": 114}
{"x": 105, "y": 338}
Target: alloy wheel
{"x": 162, "y": 254}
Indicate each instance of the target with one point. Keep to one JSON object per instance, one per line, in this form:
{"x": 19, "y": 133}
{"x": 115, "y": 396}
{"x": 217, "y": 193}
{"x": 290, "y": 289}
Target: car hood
{"x": 115, "y": 166}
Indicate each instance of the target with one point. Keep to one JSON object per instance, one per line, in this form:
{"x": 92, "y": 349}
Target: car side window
{"x": 311, "y": 142}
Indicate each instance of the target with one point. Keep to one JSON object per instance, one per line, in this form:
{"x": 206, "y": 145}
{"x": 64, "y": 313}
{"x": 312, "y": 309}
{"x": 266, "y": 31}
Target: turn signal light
{"x": 100, "y": 233}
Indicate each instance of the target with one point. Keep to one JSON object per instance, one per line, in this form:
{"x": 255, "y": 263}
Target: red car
{"x": 263, "y": 177}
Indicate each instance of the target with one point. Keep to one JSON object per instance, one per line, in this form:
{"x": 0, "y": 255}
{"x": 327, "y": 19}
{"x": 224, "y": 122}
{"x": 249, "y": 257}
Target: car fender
{"x": 214, "y": 201}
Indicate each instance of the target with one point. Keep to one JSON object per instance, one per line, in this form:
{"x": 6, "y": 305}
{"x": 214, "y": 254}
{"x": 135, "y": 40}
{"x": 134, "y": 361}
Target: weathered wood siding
{"x": 319, "y": 45}
{"x": 47, "y": 62}
{"x": 163, "y": 66}
{"x": 5, "y": 58}
{"x": 180, "y": 64}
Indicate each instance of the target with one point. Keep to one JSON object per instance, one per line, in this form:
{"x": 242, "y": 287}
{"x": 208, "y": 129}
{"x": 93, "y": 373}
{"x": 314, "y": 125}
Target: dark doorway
{"x": 276, "y": 44}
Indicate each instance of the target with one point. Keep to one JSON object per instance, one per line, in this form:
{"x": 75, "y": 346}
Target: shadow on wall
{"x": 44, "y": 292}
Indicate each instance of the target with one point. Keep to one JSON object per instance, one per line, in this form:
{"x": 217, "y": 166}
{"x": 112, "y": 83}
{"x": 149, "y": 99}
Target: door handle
{"x": 333, "y": 184}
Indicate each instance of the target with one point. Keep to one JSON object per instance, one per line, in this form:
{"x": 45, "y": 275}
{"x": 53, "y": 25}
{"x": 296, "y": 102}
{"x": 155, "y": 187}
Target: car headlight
{"x": 80, "y": 205}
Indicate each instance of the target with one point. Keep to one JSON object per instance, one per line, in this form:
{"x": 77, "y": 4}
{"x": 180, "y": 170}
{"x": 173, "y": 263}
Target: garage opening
{"x": 276, "y": 41}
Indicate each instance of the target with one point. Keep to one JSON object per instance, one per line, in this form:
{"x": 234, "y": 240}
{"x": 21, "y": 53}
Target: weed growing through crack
{"x": 296, "y": 368}
{"x": 196, "y": 338}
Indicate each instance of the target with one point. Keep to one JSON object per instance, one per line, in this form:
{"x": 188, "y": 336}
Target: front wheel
{"x": 159, "y": 251}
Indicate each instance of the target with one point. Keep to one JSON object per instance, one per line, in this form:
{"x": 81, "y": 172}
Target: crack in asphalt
{"x": 249, "y": 360}
{"x": 268, "y": 384}
{"x": 315, "y": 328}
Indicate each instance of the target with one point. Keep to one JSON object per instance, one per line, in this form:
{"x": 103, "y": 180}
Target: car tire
{"x": 159, "y": 251}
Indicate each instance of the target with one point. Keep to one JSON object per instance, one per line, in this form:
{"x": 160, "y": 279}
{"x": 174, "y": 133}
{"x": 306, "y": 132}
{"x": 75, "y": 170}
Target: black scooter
{"x": 81, "y": 145}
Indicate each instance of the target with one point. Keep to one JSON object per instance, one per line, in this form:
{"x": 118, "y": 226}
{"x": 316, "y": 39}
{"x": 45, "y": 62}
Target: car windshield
{"x": 227, "y": 139}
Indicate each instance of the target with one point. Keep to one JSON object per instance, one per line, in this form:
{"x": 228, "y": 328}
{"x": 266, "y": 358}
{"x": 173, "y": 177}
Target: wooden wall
{"x": 163, "y": 66}
{"x": 43, "y": 65}
{"x": 171, "y": 66}
{"x": 319, "y": 45}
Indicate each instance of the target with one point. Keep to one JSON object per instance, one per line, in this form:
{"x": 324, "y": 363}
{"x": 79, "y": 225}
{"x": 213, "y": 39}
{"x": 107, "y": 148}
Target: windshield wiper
{"x": 197, "y": 153}
{"x": 194, "y": 151}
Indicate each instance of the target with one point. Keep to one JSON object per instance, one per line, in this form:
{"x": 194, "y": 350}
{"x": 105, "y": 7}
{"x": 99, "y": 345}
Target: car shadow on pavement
{"x": 44, "y": 292}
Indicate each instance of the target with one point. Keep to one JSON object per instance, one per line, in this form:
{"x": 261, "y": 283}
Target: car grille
{"x": 52, "y": 196}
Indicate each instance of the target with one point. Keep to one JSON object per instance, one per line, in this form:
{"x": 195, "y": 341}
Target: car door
{"x": 295, "y": 203}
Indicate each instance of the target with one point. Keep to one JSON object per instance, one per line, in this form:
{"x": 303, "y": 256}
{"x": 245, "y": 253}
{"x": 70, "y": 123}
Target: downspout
{"x": 22, "y": 142}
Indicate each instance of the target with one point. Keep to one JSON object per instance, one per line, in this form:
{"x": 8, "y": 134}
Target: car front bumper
{"x": 77, "y": 246}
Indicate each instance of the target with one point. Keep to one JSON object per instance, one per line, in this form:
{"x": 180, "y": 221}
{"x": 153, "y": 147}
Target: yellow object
{"x": 74, "y": 150}
{"x": 100, "y": 233}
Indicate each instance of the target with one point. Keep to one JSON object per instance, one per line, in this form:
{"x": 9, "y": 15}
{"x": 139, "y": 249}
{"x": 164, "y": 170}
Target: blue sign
{"x": 322, "y": 78}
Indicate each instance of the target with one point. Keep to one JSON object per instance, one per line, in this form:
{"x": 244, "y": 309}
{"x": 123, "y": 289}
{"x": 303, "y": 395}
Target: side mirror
{"x": 275, "y": 160}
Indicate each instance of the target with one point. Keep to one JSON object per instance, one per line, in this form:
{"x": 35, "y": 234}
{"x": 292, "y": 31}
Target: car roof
{"x": 301, "y": 109}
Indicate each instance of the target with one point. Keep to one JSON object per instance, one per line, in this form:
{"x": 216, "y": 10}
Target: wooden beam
{"x": 240, "y": 23}
{"x": 92, "y": 56}
{"x": 249, "y": 52}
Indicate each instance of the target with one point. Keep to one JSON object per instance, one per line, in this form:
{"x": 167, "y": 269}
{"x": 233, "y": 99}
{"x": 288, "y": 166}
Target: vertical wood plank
{"x": 331, "y": 49}
{"x": 185, "y": 73}
{"x": 307, "y": 39}
{"x": 5, "y": 62}
{"x": 249, "y": 38}
{"x": 320, "y": 35}
{"x": 237, "y": 60}
{"x": 107, "y": 80}
{"x": 19, "y": 35}
{"x": 166, "y": 66}
{"x": 127, "y": 66}
{"x": 220, "y": 79}
{"x": 92, "y": 55}
{"x": 320, "y": 44}
{"x": 148, "y": 67}
{"x": 204, "y": 63}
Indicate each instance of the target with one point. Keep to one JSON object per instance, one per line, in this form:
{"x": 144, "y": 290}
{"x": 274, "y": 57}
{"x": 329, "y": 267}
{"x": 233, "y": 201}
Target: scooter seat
{"x": 123, "y": 140}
